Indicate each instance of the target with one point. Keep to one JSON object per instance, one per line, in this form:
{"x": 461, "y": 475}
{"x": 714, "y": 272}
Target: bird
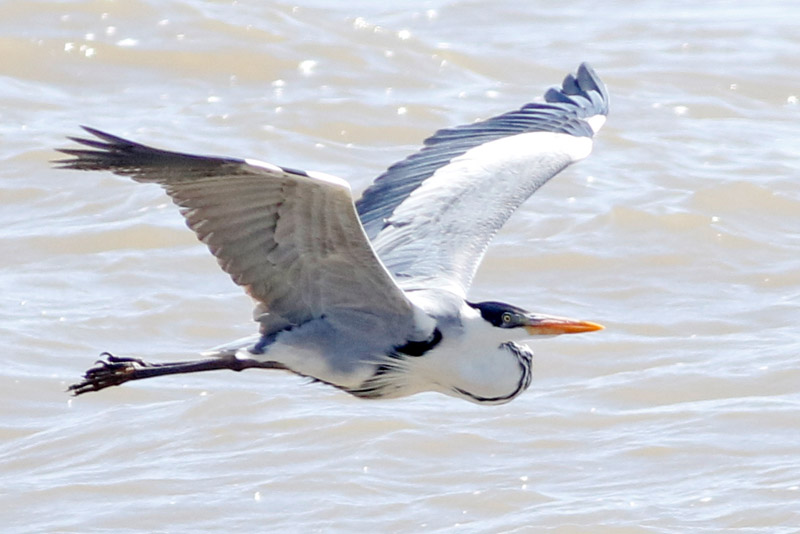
{"x": 369, "y": 295}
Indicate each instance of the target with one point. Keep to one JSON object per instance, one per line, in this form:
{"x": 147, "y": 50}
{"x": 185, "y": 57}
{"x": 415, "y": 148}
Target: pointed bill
{"x": 550, "y": 325}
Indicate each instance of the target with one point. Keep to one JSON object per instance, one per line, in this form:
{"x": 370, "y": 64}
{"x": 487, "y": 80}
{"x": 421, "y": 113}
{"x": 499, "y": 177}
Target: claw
{"x": 109, "y": 371}
{"x": 123, "y": 359}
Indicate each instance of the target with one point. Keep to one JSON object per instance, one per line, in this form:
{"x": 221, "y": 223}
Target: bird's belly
{"x": 316, "y": 362}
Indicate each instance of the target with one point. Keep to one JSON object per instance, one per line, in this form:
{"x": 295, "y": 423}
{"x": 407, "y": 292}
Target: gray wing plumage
{"x": 292, "y": 239}
{"x": 431, "y": 216}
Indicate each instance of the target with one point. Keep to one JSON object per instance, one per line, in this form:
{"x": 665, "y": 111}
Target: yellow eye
{"x": 507, "y": 318}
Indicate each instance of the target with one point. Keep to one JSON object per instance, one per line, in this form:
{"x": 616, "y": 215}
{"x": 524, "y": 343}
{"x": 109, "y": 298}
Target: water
{"x": 681, "y": 234}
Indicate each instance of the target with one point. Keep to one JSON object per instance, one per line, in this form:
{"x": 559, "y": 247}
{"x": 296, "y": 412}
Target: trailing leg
{"x": 114, "y": 370}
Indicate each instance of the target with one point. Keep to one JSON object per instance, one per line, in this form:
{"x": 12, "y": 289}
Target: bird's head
{"x": 524, "y": 323}
{"x": 491, "y": 368}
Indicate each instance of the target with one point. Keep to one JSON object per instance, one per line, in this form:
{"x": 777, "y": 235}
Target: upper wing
{"x": 432, "y": 215}
{"x": 291, "y": 238}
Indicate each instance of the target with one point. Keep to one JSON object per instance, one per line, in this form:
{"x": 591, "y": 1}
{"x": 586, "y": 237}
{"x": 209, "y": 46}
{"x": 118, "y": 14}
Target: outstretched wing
{"x": 432, "y": 215}
{"x": 291, "y": 238}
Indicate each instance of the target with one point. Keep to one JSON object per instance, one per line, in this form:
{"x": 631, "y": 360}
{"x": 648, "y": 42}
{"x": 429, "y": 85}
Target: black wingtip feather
{"x": 128, "y": 158}
{"x": 589, "y": 82}
{"x": 110, "y": 140}
{"x": 98, "y": 159}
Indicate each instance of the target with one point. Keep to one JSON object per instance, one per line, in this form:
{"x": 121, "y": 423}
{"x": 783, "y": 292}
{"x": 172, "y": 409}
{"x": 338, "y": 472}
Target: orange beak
{"x": 550, "y": 325}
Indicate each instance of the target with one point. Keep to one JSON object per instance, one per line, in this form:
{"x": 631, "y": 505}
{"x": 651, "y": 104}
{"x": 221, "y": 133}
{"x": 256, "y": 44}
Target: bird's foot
{"x": 109, "y": 371}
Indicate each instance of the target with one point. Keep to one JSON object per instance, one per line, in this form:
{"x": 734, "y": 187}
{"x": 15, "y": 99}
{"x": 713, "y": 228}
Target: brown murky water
{"x": 681, "y": 233}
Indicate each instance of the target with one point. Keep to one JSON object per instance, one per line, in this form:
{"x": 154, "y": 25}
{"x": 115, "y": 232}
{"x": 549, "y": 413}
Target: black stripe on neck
{"x": 419, "y": 348}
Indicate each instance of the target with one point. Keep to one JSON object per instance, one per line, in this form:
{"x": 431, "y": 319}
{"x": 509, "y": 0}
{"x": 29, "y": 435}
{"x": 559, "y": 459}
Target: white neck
{"x": 476, "y": 361}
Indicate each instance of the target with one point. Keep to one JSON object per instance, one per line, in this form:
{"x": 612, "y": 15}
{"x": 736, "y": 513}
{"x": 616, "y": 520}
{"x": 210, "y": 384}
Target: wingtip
{"x": 108, "y": 138}
{"x": 585, "y": 68}
{"x": 589, "y": 81}
{"x": 585, "y": 91}
{"x": 75, "y": 161}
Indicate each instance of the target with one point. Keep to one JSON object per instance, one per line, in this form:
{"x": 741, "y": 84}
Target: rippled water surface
{"x": 681, "y": 233}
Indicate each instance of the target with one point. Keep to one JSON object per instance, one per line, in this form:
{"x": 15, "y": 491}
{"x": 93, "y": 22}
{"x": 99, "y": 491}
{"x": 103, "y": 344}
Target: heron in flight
{"x": 370, "y": 296}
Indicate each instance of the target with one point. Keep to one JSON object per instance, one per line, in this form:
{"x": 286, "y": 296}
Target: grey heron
{"x": 370, "y": 296}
